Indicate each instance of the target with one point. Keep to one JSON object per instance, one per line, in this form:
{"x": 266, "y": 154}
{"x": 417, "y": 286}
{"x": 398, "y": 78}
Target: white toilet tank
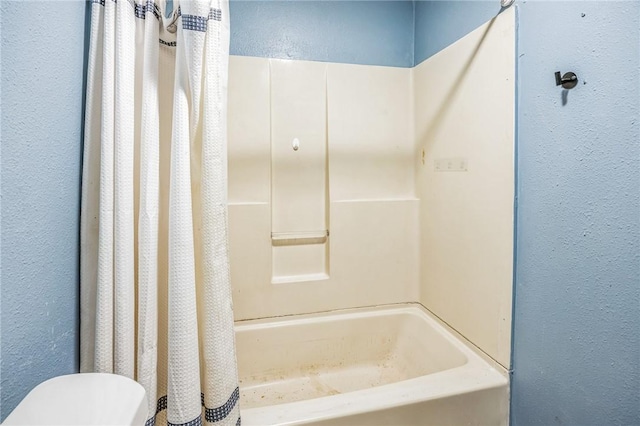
{"x": 83, "y": 399}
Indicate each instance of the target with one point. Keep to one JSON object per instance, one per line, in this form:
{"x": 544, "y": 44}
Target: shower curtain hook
{"x": 173, "y": 27}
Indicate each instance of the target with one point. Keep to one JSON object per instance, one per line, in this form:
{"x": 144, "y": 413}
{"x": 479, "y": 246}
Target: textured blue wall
{"x": 440, "y": 23}
{"x": 358, "y": 32}
{"x": 577, "y": 322}
{"x": 577, "y": 308}
{"x": 42, "y": 83}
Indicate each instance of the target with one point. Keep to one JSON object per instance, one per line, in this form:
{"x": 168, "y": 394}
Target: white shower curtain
{"x": 155, "y": 293}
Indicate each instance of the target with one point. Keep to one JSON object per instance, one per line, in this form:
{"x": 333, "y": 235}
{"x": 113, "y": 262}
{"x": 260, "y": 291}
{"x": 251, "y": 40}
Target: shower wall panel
{"x": 410, "y": 170}
{"x": 249, "y": 128}
{"x": 370, "y": 139}
{"x": 357, "y": 118}
{"x": 464, "y": 127}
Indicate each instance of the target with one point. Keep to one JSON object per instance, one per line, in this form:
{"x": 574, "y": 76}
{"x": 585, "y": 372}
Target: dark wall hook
{"x": 568, "y": 81}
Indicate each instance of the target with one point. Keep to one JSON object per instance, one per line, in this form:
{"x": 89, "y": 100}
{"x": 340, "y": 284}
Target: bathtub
{"x": 389, "y": 365}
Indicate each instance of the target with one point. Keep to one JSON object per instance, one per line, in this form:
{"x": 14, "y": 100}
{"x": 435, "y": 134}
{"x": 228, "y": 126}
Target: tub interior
{"x": 293, "y": 359}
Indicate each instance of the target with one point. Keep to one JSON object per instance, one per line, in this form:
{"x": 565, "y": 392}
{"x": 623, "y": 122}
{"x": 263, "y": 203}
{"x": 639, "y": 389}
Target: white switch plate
{"x": 458, "y": 164}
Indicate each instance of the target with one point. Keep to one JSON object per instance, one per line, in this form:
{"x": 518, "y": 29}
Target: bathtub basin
{"x": 391, "y": 365}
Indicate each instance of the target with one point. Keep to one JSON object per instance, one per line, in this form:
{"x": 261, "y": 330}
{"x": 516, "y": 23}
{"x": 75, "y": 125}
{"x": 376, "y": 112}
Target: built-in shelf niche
{"x": 299, "y": 172}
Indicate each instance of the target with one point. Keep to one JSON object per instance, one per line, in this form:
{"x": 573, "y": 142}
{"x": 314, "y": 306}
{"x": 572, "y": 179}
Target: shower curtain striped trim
{"x": 210, "y": 414}
{"x": 189, "y": 22}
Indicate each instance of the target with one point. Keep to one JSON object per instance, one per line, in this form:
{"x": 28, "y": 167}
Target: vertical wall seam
{"x": 516, "y": 193}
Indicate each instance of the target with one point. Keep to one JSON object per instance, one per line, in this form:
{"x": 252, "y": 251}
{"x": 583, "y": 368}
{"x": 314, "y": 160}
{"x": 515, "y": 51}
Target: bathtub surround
{"x": 42, "y": 104}
{"x": 400, "y": 229}
{"x": 369, "y": 205}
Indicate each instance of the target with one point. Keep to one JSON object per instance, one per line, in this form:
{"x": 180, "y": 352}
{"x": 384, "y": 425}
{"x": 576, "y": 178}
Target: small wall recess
{"x": 298, "y": 238}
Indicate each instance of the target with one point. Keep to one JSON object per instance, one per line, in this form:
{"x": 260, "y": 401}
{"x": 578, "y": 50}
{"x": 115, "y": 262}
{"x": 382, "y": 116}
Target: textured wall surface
{"x": 354, "y": 32}
{"x": 577, "y": 307}
{"x": 42, "y": 84}
{"x": 439, "y": 23}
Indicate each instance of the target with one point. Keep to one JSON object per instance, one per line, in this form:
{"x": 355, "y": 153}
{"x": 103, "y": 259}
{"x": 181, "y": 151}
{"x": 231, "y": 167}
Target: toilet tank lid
{"x": 83, "y": 399}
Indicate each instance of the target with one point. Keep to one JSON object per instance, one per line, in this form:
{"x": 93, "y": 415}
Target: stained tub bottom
{"x": 317, "y": 383}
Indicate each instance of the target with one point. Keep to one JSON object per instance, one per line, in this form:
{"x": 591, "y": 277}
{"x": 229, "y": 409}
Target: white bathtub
{"x": 393, "y": 365}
